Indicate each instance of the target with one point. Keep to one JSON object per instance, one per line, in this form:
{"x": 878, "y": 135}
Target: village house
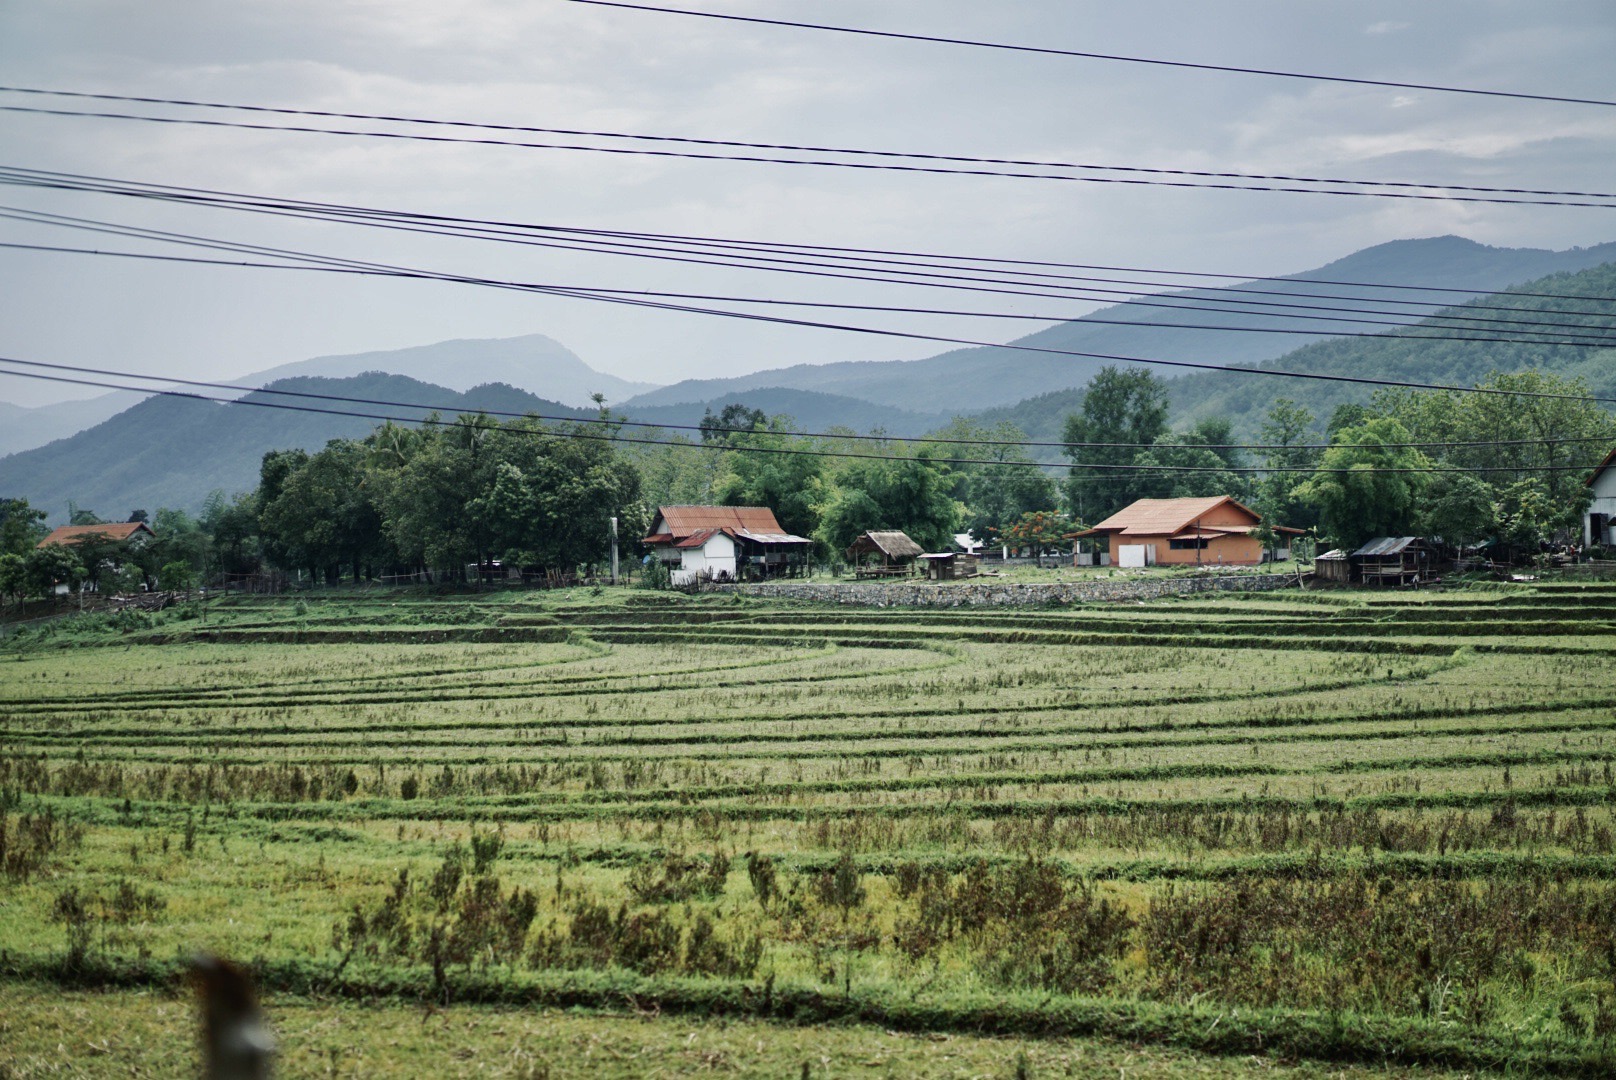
{"x": 725, "y": 543}
{"x": 1599, "y": 520}
{"x": 1210, "y": 531}
{"x": 128, "y": 535}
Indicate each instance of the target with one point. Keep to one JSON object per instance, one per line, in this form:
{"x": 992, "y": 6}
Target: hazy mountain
{"x": 23, "y": 427}
{"x": 534, "y": 363}
{"x": 173, "y": 451}
{"x": 968, "y": 380}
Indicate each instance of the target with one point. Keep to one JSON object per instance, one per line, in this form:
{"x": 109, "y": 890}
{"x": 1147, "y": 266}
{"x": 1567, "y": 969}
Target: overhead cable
{"x": 1049, "y": 51}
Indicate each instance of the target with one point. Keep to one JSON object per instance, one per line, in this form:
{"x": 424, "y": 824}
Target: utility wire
{"x": 422, "y": 275}
{"x": 763, "y": 159}
{"x": 1047, "y": 51}
{"x": 474, "y": 425}
{"x": 925, "y": 440}
{"x": 634, "y": 301}
{"x": 394, "y": 220}
{"x": 79, "y": 182}
{"x": 740, "y": 144}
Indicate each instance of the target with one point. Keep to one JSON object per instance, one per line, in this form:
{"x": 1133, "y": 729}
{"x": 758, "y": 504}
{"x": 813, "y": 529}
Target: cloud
{"x": 1386, "y": 27}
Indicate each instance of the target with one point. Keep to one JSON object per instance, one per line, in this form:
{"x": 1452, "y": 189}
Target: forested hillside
{"x": 173, "y": 451}
{"x": 1415, "y": 355}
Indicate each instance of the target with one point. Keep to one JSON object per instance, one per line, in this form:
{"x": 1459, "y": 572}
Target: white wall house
{"x": 1599, "y": 520}
{"x": 710, "y": 555}
{"x": 724, "y": 543}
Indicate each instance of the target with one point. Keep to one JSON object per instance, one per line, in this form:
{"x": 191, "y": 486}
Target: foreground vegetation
{"x": 1347, "y": 828}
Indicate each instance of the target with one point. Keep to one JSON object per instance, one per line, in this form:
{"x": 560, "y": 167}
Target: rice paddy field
{"x": 626, "y": 833}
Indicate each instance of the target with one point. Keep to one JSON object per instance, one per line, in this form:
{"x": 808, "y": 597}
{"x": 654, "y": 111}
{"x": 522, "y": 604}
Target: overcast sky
{"x": 557, "y": 64}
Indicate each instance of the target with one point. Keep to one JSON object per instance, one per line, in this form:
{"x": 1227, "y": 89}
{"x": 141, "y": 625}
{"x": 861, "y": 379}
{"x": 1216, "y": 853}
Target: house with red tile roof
{"x": 725, "y": 543}
{"x": 1215, "y": 530}
{"x": 125, "y": 532}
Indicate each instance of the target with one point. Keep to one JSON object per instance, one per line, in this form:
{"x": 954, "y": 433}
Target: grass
{"x": 1333, "y": 830}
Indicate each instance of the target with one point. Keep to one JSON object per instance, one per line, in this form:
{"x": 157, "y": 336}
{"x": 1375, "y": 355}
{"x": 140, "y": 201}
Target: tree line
{"x": 449, "y": 495}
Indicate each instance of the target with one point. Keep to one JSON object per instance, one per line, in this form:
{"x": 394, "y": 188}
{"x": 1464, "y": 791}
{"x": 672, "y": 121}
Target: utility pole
{"x": 614, "y": 551}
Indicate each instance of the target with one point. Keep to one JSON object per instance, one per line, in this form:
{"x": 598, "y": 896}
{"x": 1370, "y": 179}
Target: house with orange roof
{"x": 1215, "y": 530}
{"x": 724, "y": 543}
{"x": 129, "y": 533}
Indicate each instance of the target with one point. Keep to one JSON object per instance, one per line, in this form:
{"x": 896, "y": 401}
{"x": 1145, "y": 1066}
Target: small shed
{"x": 883, "y": 554}
{"x": 1394, "y": 560}
{"x": 947, "y": 565}
{"x": 1333, "y": 566}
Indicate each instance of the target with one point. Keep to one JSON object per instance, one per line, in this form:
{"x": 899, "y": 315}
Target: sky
{"x": 553, "y": 63}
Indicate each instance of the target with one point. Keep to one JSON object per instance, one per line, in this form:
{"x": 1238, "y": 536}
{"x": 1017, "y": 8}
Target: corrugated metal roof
{"x": 75, "y": 534}
{"x": 769, "y": 537}
{"x": 1164, "y": 517}
{"x": 684, "y": 520}
{"x": 1386, "y": 545}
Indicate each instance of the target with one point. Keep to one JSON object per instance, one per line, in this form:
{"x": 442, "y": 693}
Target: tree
{"x": 13, "y": 576}
{"x": 911, "y": 494}
{"x": 53, "y": 563}
{"x": 732, "y": 420}
{"x": 1183, "y": 470}
{"x": 1126, "y": 407}
{"x": 1458, "y": 508}
{"x": 21, "y": 526}
{"x": 1286, "y": 431}
{"x": 176, "y": 577}
{"x": 759, "y": 473}
{"x": 1037, "y": 530}
{"x": 1360, "y": 489}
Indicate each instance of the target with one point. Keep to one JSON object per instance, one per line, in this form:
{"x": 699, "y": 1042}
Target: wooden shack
{"x": 947, "y": 565}
{"x": 883, "y": 554}
{"x": 1394, "y": 560}
{"x": 1333, "y": 566}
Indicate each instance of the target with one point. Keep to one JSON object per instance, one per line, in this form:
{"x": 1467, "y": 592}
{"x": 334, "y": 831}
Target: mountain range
{"x": 172, "y": 451}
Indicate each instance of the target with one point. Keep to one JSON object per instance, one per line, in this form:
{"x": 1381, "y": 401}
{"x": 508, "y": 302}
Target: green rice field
{"x": 627, "y": 833}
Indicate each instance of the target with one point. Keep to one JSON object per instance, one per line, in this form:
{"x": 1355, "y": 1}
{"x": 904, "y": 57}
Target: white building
{"x": 1599, "y": 520}
{"x": 724, "y": 543}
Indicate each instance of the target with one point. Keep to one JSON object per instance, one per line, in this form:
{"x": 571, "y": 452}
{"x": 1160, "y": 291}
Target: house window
{"x": 1198, "y": 544}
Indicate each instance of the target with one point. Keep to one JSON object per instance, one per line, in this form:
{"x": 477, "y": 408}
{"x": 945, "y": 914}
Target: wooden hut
{"x": 947, "y": 565}
{"x": 883, "y": 554}
{"x": 1393, "y": 560}
{"x": 1333, "y": 566}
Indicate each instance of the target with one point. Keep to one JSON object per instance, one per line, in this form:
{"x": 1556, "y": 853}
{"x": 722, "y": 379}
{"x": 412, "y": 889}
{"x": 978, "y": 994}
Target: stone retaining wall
{"x": 972, "y": 593}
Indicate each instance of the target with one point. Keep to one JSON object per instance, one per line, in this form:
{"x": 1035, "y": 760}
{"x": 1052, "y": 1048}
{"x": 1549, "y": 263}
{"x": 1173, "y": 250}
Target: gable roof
{"x": 1388, "y": 545}
{"x": 77, "y": 534}
{"x": 1610, "y": 459}
{"x": 1168, "y": 517}
{"x": 893, "y": 543}
{"x": 685, "y": 521}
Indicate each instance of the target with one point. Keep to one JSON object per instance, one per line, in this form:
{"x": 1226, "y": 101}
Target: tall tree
{"x": 1362, "y": 488}
{"x": 1127, "y": 407}
{"x": 21, "y": 526}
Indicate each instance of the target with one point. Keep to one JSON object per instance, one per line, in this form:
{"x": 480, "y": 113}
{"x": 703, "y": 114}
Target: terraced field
{"x": 1344, "y": 828}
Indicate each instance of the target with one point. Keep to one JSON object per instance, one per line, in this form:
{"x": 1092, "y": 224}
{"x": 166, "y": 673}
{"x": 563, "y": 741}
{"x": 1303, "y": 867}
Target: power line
{"x": 1421, "y": 334}
{"x": 1047, "y": 51}
{"x": 868, "y": 166}
{"x": 908, "y": 335}
{"x": 1102, "y": 470}
{"x": 739, "y": 144}
{"x": 658, "y": 251}
{"x": 505, "y": 229}
{"x": 927, "y": 440}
